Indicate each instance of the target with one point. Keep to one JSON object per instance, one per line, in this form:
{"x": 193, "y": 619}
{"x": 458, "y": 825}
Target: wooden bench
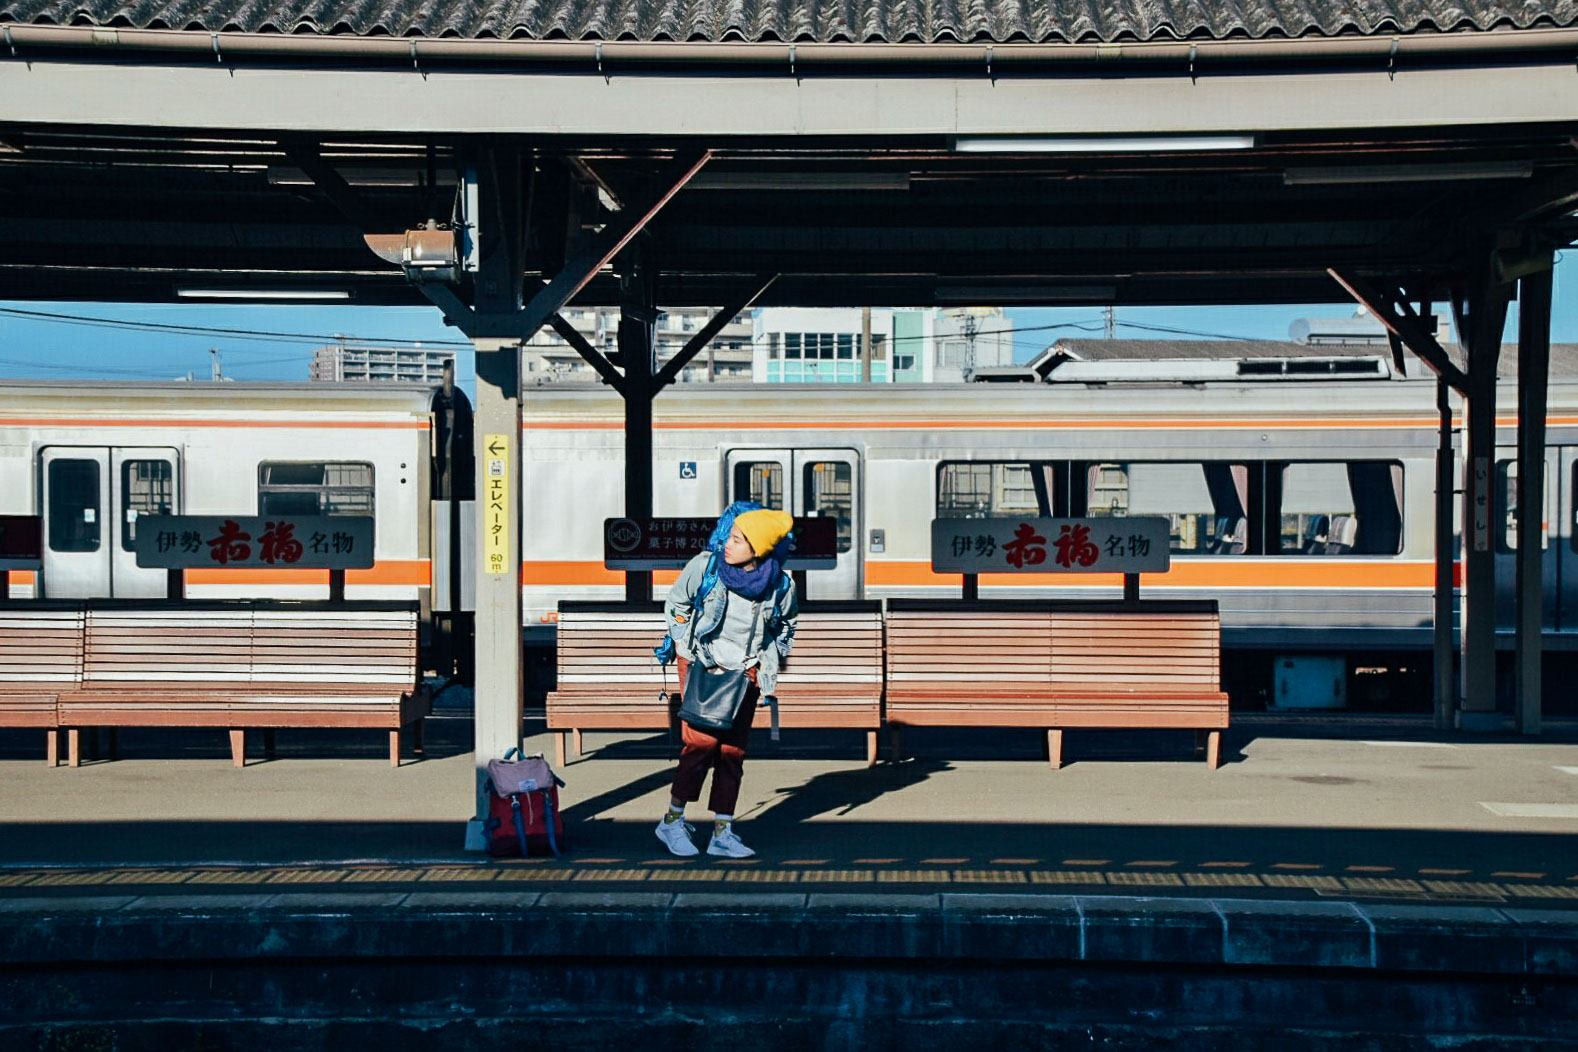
{"x": 608, "y": 679}
{"x": 240, "y": 665}
{"x": 1056, "y": 665}
{"x": 40, "y": 656}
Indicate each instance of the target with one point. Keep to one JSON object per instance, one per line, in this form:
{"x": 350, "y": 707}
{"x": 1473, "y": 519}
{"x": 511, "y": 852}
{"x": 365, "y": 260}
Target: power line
{"x": 240, "y": 334}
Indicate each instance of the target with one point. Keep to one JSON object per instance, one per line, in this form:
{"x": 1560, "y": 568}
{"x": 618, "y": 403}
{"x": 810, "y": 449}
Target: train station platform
{"x": 1133, "y": 899}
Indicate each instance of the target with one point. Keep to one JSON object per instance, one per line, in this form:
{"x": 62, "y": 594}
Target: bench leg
{"x": 238, "y": 747}
{"x": 1213, "y": 750}
{"x": 579, "y": 743}
{"x": 394, "y": 747}
{"x": 52, "y": 747}
{"x": 1055, "y": 748}
{"x": 74, "y": 747}
{"x": 871, "y": 748}
{"x": 558, "y": 750}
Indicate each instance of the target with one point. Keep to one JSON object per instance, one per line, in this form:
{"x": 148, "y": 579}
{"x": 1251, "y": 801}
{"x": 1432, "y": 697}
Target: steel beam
{"x": 1391, "y": 308}
{"x": 637, "y": 353}
{"x": 1534, "y": 353}
{"x": 671, "y": 370}
{"x": 1445, "y": 678}
{"x": 304, "y": 154}
{"x": 591, "y": 355}
{"x": 1481, "y": 311}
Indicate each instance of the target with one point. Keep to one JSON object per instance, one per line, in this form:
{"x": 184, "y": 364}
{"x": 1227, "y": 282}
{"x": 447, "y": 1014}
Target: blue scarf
{"x": 757, "y": 584}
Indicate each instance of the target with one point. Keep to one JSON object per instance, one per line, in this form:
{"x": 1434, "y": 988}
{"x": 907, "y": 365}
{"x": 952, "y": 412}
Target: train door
{"x": 1558, "y": 562}
{"x": 808, "y": 483}
{"x": 93, "y": 499}
{"x": 1561, "y": 490}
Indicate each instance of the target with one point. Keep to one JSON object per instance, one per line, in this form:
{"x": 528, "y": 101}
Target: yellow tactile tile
{"x": 943, "y": 861}
{"x": 685, "y": 874}
{"x": 877, "y": 861}
{"x": 853, "y": 876}
{"x": 15, "y": 880}
{"x": 1382, "y": 884}
{"x": 309, "y": 876}
{"x": 612, "y": 874}
{"x": 374, "y": 876}
{"x": 73, "y": 879}
{"x": 1066, "y": 876}
{"x": 911, "y": 876}
{"x": 224, "y": 876}
{"x": 1464, "y": 887}
{"x": 1301, "y": 867}
{"x": 1222, "y": 880}
{"x": 1226, "y": 865}
{"x": 1151, "y": 863}
{"x": 1432, "y": 871}
{"x": 532, "y": 873}
{"x": 1541, "y": 891}
{"x": 460, "y": 873}
{"x": 1145, "y": 880}
{"x": 763, "y": 876}
{"x": 1290, "y": 880}
{"x": 1513, "y": 874}
{"x": 988, "y": 876}
{"x": 1369, "y": 869}
{"x": 1087, "y": 861}
{"x": 1015, "y": 861}
{"x": 152, "y": 876}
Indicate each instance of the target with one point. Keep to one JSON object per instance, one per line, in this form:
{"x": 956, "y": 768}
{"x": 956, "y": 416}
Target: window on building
{"x": 791, "y": 345}
{"x": 846, "y": 346}
{"x": 315, "y": 488}
{"x": 1205, "y": 503}
{"x": 879, "y": 347}
{"x": 1342, "y": 508}
{"x": 904, "y": 362}
{"x": 980, "y": 490}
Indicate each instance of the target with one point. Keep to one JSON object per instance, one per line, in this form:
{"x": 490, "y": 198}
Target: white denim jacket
{"x": 689, "y": 627}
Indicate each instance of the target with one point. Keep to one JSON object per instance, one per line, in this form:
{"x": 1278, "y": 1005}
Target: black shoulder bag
{"x": 713, "y": 697}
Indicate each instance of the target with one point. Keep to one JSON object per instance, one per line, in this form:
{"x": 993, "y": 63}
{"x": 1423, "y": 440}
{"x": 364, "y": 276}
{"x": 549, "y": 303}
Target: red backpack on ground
{"x": 523, "y": 808}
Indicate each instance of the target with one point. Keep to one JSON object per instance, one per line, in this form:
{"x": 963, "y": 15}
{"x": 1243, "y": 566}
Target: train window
{"x": 761, "y": 481}
{"x": 315, "y": 488}
{"x": 829, "y": 490}
{"x": 979, "y": 490}
{"x": 1204, "y": 502}
{"x": 1342, "y": 508}
{"x": 74, "y": 505}
{"x": 1507, "y": 507}
{"x": 147, "y": 488}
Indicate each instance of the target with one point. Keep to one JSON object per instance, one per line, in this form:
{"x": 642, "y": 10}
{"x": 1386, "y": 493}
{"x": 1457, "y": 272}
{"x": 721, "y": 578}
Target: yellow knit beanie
{"x": 764, "y": 528}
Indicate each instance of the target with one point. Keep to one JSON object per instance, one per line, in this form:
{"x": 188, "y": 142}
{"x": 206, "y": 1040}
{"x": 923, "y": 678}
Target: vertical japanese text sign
{"x": 496, "y": 518}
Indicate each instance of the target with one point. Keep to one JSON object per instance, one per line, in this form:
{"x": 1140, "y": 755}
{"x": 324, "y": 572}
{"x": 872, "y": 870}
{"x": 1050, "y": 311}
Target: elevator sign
{"x": 496, "y": 512}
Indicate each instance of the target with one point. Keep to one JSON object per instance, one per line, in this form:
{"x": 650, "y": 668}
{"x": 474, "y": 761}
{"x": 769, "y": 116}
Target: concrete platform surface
{"x": 1391, "y": 812}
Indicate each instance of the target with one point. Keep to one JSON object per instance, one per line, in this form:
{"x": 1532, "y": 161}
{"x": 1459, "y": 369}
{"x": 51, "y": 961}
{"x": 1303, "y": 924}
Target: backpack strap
{"x": 709, "y": 580}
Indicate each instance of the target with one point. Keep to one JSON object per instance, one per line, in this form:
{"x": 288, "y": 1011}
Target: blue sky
{"x": 44, "y": 348}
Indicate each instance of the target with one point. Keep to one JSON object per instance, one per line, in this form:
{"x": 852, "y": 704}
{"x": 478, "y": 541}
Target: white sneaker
{"x": 676, "y": 837}
{"x": 728, "y": 844}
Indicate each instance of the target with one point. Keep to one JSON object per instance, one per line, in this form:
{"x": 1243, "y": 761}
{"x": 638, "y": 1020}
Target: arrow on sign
{"x": 495, "y": 448}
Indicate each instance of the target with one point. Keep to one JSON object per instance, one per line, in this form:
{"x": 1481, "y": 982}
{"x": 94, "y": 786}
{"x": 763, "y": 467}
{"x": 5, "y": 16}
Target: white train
{"x": 1305, "y": 507}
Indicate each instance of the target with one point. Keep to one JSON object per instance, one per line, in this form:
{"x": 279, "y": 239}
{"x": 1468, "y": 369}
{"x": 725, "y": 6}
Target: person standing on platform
{"x": 734, "y": 609}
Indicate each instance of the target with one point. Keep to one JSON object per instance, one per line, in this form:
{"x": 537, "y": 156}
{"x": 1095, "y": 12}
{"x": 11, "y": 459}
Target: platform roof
{"x": 887, "y": 154}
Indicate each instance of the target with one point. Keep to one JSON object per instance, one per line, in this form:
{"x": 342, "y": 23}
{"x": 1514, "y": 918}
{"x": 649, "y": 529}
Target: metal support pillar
{"x": 496, "y": 425}
{"x": 638, "y": 355}
{"x": 1534, "y": 353}
{"x": 1446, "y": 557}
{"x": 1481, "y": 319}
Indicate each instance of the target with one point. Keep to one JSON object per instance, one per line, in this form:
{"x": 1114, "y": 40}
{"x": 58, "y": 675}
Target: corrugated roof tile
{"x": 929, "y": 21}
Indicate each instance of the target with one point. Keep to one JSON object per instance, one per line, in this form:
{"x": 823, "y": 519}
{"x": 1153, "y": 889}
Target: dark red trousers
{"x": 723, "y": 753}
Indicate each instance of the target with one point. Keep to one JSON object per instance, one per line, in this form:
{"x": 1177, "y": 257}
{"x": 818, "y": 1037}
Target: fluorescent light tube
{"x": 263, "y": 294}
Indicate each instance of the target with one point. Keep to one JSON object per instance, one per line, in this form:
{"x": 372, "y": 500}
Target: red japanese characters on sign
{"x": 669, "y": 543}
{"x": 1015, "y": 545}
{"x": 310, "y": 542}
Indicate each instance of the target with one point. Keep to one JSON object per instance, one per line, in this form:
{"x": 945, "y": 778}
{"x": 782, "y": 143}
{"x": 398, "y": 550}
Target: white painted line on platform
{"x": 1532, "y": 810}
{"x": 1568, "y": 770}
{"x": 1412, "y": 745}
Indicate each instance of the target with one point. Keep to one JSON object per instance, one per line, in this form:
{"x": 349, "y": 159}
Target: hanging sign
{"x": 283, "y": 542}
{"x": 1103, "y": 544}
{"x": 496, "y": 513}
{"x": 21, "y": 542}
{"x": 668, "y": 544}
{"x": 1481, "y": 504}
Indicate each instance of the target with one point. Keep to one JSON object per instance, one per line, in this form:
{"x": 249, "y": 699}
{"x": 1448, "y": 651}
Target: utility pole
{"x": 1109, "y": 317}
{"x": 865, "y": 345}
{"x": 216, "y": 371}
{"x": 969, "y": 354}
